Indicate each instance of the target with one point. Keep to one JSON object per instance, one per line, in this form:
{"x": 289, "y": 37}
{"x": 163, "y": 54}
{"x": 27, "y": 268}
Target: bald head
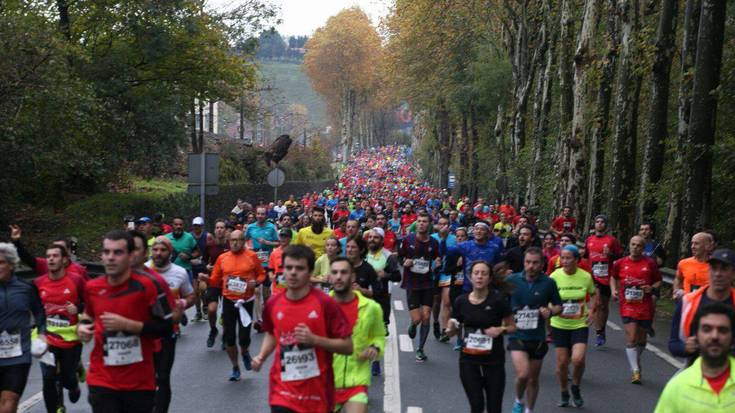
{"x": 237, "y": 240}
{"x": 702, "y": 244}
{"x": 636, "y": 246}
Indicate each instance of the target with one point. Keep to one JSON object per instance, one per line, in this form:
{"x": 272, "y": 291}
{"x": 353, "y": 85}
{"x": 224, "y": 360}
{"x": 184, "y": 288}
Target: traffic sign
{"x": 452, "y": 181}
{"x": 211, "y": 168}
{"x": 276, "y": 177}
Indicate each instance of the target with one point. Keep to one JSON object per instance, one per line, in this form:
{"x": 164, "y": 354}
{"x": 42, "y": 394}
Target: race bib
{"x": 527, "y": 318}
{"x": 421, "y": 266}
{"x": 478, "y": 342}
{"x": 633, "y": 295}
{"x": 600, "y": 269}
{"x": 122, "y": 350}
{"x": 571, "y": 309}
{"x": 236, "y": 285}
{"x": 10, "y": 345}
{"x": 57, "y": 322}
{"x": 263, "y": 255}
{"x": 298, "y": 364}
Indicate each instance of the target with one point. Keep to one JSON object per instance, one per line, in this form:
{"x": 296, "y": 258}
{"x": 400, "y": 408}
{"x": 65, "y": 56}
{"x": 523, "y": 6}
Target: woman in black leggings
{"x": 486, "y": 315}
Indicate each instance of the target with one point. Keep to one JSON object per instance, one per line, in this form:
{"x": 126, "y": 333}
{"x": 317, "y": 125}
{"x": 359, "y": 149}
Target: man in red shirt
{"x": 341, "y": 211}
{"x": 564, "y": 222}
{"x": 125, "y": 311}
{"x": 304, "y": 326}
{"x": 633, "y": 280}
{"x": 389, "y": 240}
{"x": 602, "y": 249}
{"x": 39, "y": 264}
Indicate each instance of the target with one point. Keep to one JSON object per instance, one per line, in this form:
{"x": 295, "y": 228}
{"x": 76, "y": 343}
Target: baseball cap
{"x": 143, "y": 220}
{"x": 285, "y": 232}
{"x": 379, "y": 231}
{"x": 198, "y": 221}
{"x": 725, "y": 256}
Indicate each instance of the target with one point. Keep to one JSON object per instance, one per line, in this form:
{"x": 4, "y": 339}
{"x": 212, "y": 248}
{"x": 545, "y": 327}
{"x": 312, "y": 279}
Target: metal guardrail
{"x": 93, "y": 269}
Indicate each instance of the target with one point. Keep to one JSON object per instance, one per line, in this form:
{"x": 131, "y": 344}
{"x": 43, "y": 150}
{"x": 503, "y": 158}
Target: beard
{"x": 317, "y": 227}
{"x": 715, "y": 360}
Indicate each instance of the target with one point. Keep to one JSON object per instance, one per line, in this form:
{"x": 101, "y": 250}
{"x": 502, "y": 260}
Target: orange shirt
{"x": 275, "y": 264}
{"x": 694, "y": 273}
{"x": 232, "y": 271}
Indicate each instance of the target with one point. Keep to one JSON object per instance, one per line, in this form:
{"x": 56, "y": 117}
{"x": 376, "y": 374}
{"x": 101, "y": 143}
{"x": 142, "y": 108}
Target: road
{"x": 200, "y": 377}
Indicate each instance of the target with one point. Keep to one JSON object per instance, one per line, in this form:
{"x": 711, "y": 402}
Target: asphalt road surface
{"x": 200, "y": 376}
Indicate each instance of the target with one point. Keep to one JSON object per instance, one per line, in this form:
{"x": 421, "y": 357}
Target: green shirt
{"x": 186, "y": 243}
{"x": 575, "y": 291}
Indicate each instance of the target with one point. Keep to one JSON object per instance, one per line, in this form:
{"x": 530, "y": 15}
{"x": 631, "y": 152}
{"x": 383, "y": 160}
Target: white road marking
{"x": 653, "y": 349}
{"x": 30, "y": 402}
{"x": 398, "y": 305}
{"x": 392, "y": 383}
{"x": 406, "y": 344}
{"x": 414, "y": 409}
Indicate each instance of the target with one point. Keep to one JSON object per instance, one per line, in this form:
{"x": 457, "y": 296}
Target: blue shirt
{"x": 268, "y": 232}
{"x": 19, "y": 300}
{"x": 471, "y": 251}
{"x": 451, "y": 241}
{"x": 357, "y": 214}
{"x": 538, "y": 293}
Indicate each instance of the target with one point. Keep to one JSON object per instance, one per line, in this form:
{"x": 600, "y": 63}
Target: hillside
{"x": 293, "y": 84}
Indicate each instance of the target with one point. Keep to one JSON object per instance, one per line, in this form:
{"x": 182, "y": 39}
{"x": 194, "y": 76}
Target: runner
{"x": 442, "y": 306}
{"x": 185, "y": 246}
{"x": 275, "y": 267}
{"x": 352, "y": 229}
{"x": 454, "y": 265}
{"x": 633, "y": 280}
{"x": 332, "y": 250}
{"x": 264, "y": 236}
{"x": 534, "y": 299}
{"x": 38, "y": 264}
{"x": 366, "y": 279}
{"x": 125, "y": 311}
{"x": 569, "y": 329}
{"x": 555, "y": 261}
{"x": 390, "y": 241}
{"x": 304, "y": 327}
{"x": 653, "y": 248}
{"x": 352, "y": 372}
{"x": 315, "y": 235}
{"x": 516, "y": 255}
{"x": 218, "y": 246}
{"x": 183, "y": 294}
{"x": 420, "y": 254}
{"x": 712, "y": 327}
{"x": 602, "y": 250}
{"x": 20, "y": 302}
{"x": 388, "y": 269}
{"x": 198, "y": 264}
{"x": 682, "y": 342}
{"x": 484, "y": 247}
{"x": 61, "y": 295}
{"x": 485, "y": 315}
{"x": 237, "y": 273}
{"x": 564, "y": 223}
{"x": 692, "y": 273}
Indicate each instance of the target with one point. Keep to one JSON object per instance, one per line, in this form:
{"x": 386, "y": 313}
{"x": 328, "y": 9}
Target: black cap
{"x": 724, "y": 256}
{"x": 285, "y": 233}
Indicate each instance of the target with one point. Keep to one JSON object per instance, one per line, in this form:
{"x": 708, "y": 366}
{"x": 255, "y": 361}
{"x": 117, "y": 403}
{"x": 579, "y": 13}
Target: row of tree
{"x": 609, "y": 106}
{"x": 93, "y": 91}
{"x": 271, "y": 45}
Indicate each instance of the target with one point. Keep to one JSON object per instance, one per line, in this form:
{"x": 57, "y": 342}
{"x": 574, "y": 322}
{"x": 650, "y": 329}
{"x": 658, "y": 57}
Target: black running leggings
{"x": 484, "y": 385}
{"x": 68, "y": 360}
{"x": 164, "y": 362}
{"x": 231, "y": 322}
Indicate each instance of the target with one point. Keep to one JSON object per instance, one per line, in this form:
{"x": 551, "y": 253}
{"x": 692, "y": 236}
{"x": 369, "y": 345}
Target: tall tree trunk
{"x": 600, "y": 126}
{"x": 211, "y": 116}
{"x": 653, "y": 153}
{"x": 464, "y": 161}
{"x": 201, "y": 127}
{"x": 566, "y": 107}
{"x": 541, "y": 109}
{"x": 444, "y": 128}
{"x": 475, "y": 169}
{"x": 580, "y": 126}
{"x": 623, "y": 139}
{"x": 194, "y": 140}
{"x": 674, "y": 242}
{"x": 501, "y": 185}
{"x": 703, "y": 116}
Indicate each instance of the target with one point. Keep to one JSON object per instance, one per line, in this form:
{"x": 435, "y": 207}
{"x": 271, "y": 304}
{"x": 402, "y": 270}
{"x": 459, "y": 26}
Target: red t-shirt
{"x": 390, "y": 241}
{"x": 134, "y": 299}
{"x": 564, "y": 224}
{"x": 350, "y": 310}
{"x": 323, "y": 316}
{"x": 633, "y": 274}
{"x": 73, "y": 267}
{"x": 555, "y": 263}
{"x": 406, "y": 221}
{"x": 593, "y": 246}
{"x": 55, "y": 296}
{"x": 718, "y": 383}
{"x": 339, "y": 213}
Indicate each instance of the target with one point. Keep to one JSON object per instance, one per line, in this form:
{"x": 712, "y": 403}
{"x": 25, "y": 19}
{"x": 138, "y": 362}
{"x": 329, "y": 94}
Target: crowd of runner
{"x": 315, "y": 275}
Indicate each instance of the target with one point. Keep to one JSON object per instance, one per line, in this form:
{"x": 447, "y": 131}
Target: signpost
{"x": 276, "y": 177}
{"x": 203, "y": 177}
{"x": 452, "y": 181}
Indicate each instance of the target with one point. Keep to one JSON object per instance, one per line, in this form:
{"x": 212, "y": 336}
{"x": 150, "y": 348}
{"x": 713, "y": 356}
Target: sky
{"x": 302, "y": 17}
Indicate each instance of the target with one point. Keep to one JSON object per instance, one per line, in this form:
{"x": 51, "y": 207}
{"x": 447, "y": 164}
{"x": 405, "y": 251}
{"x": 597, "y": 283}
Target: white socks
{"x": 632, "y": 354}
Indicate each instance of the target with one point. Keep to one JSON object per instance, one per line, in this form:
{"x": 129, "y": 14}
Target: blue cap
{"x": 143, "y": 220}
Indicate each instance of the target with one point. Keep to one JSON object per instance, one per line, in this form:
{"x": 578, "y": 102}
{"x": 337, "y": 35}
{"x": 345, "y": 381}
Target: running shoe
{"x": 577, "y": 396}
{"x": 205, "y": 317}
{"x": 437, "y": 330}
{"x": 184, "y": 319}
{"x": 197, "y": 318}
{"x": 258, "y": 326}
{"x": 81, "y": 373}
{"x": 444, "y": 338}
{"x": 375, "y": 369}
{"x": 564, "y": 402}
{"x": 458, "y": 345}
{"x": 211, "y": 338}
{"x": 74, "y": 395}
{"x": 247, "y": 361}
{"x": 235, "y": 376}
{"x": 651, "y": 332}
{"x": 518, "y": 407}
{"x": 600, "y": 340}
{"x": 636, "y": 379}
{"x": 420, "y": 356}
{"x": 412, "y": 331}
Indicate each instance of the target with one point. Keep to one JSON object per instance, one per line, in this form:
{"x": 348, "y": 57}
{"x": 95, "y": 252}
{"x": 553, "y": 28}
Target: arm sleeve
{"x": 215, "y": 279}
{"x": 676, "y": 346}
{"x": 393, "y": 269}
{"x": 457, "y": 310}
{"x": 555, "y": 297}
{"x": 259, "y": 270}
{"x": 186, "y": 287}
{"x": 161, "y": 321}
{"x": 25, "y": 256}
{"x": 39, "y": 315}
{"x": 377, "y": 329}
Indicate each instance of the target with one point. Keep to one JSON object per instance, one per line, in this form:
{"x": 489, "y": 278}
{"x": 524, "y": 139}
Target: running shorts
{"x": 644, "y": 324}
{"x": 356, "y": 394}
{"x": 13, "y": 378}
{"x": 419, "y": 298}
{"x": 536, "y": 349}
{"x": 603, "y": 289}
{"x": 568, "y": 338}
